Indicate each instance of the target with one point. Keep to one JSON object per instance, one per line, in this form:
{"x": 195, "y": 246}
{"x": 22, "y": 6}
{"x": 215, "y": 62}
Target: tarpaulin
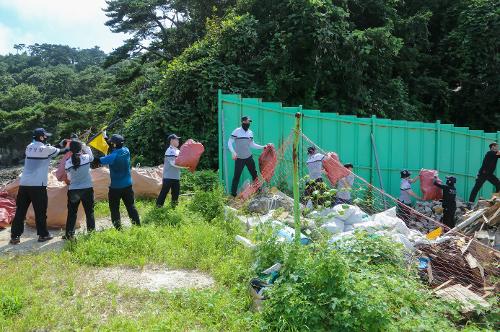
{"x": 267, "y": 162}
{"x": 189, "y": 154}
{"x": 429, "y": 190}
{"x": 334, "y": 168}
{"x": 7, "y": 209}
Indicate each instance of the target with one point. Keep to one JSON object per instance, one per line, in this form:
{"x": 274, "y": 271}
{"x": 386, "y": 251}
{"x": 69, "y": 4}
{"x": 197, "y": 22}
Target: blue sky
{"x": 77, "y": 23}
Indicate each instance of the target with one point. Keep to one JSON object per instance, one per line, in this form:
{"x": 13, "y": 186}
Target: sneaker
{"x": 15, "y": 240}
{"x": 45, "y": 238}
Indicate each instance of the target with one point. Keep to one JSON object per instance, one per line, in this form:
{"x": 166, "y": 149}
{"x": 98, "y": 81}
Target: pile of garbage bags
{"x": 147, "y": 183}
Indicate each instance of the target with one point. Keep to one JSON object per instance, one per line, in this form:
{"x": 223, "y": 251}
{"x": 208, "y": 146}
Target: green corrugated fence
{"x": 411, "y": 145}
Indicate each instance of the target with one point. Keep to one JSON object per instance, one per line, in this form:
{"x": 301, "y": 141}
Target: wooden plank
{"x": 468, "y": 299}
{"x": 444, "y": 284}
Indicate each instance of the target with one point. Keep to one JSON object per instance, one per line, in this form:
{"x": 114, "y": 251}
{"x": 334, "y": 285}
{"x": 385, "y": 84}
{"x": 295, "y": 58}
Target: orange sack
{"x": 7, "y": 209}
{"x": 429, "y": 190}
{"x": 334, "y": 168}
{"x": 267, "y": 162}
{"x": 189, "y": 154}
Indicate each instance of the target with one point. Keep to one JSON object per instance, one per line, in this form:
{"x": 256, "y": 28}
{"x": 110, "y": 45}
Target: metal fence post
{"x": 296, "y": 203}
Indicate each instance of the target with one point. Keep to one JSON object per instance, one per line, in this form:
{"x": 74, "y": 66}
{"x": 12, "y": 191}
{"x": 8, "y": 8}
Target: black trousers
{"x": 238, "y": 169}
{"x": 449, "y": 215}
{"x": 168, "y": 184}
{"x": 26, "y": 196}
{"x": 86, "y": 197}
{"x": 480, "y": 180}
{"x": 403, "y": 211}
{"x": 127, "y": 195}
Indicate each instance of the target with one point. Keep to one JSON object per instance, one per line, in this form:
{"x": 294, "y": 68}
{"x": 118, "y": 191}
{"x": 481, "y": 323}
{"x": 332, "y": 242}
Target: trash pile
{"x": 456, "y": 266}
{"x": 147, "y": 183}
{"x": 483, "y": 222}
{"x": 434, "y": 210}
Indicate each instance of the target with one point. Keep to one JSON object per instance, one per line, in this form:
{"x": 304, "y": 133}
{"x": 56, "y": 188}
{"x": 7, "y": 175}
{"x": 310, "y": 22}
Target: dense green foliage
{"x": 413, "y": 60}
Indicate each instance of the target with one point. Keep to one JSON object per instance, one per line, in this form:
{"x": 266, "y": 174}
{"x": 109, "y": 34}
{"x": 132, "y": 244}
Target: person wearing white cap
{"x": 171, "y": 173}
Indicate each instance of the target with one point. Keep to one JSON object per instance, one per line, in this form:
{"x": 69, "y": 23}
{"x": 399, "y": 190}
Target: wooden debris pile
{"x": 461, "y": 268}
{"x": 482, "y": 223}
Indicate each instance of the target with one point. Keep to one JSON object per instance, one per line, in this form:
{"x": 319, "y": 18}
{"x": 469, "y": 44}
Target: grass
{"x": 359, "y": 286}
{"x": 55, "y": 291}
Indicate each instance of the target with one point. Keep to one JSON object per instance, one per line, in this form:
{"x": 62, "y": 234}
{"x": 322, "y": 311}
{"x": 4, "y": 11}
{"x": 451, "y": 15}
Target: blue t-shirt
{"x": 119, "y": 167}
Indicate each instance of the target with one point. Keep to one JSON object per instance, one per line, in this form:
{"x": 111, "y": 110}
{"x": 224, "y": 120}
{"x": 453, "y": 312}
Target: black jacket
{"x": 489, "y": 163}
{"x": 449, "y": 194}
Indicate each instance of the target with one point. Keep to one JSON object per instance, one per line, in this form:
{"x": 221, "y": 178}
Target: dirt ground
{"x": 154, "y": 278}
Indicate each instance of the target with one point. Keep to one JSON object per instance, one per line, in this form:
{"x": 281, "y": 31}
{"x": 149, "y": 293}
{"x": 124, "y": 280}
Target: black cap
{"x": 116, "y": 139}
{"x": 348, "y": 165}
{"x": 405, "y": 173}
{"x": 311, "y": 149}
{"x": 493, "y": 144}
{"x": 173, "y": 136}
{"x": 40, "y": 132}
{"x": 246, "y": 118}
{"x": 451, "y": 179}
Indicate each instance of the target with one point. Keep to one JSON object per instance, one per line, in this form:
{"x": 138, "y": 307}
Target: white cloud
{"x": 9, "y": 37}
{"x": 78, "y": 23}
{"x": 58, "y": 11}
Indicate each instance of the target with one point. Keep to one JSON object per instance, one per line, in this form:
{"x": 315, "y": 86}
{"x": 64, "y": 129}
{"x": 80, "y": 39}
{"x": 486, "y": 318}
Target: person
{"x": 449, "y": 199}
{"x": 314, "y": 165}
{"x": 344, "y": 187}
{"x": 33, "y": 186}
{"x": 171, "y": 173}
{"x": 406, "y": 193}
{"x": 487, "y": 172}
{"x": 80, "y": 187}
{"x": 242, "y": 139}
{"x": 121, "y": 181}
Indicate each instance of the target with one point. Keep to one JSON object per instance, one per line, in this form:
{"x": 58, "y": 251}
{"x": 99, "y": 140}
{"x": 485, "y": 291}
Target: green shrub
{"x": 200, "y": 180}
{"x": 352, "y": 288}
{"x": 210, "y": 204}
{"x": 164, "y": 216}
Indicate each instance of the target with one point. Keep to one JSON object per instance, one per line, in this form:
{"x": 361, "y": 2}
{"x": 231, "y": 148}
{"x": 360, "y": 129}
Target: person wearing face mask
{"x": 171, "y": 173}
{"x": 240, "y": 144}
{"x": 449, "y": 200}
{"x": 121, "y": 181}
{"x": 33, "y": 186}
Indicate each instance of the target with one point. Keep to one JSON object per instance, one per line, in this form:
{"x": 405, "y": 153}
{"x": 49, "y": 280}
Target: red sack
{"x": 7, "y": 209}
{"x": 61, "y": 171}
{"x": 189, "y": 154}
{"x": 267, "y": 162}
{"x": 250, "y": 190}
{"x": 334, "y": 168}
{"x": 429, "y": 190}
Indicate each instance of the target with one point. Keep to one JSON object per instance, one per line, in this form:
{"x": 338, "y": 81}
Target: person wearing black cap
{"x": 487, "y": 172}
{"x": 121, "y": 181}
{"x": 449, "y": 199}
{"x": 33, "y": 186}
{"x": 171, "y": 173}
{"x": 242, "y": 139}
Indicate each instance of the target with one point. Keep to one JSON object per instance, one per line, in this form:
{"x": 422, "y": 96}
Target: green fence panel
{"x": 400, "y": 144}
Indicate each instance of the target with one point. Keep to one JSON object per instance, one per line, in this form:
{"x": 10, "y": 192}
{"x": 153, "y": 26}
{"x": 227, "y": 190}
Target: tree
{"x": 20, "y": 96}
{"x": 158, "y": 27}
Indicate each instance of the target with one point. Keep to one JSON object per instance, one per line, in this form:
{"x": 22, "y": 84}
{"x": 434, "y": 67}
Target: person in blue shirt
{"x": 80, "y": 187}
{"x": 121, "y": 181}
